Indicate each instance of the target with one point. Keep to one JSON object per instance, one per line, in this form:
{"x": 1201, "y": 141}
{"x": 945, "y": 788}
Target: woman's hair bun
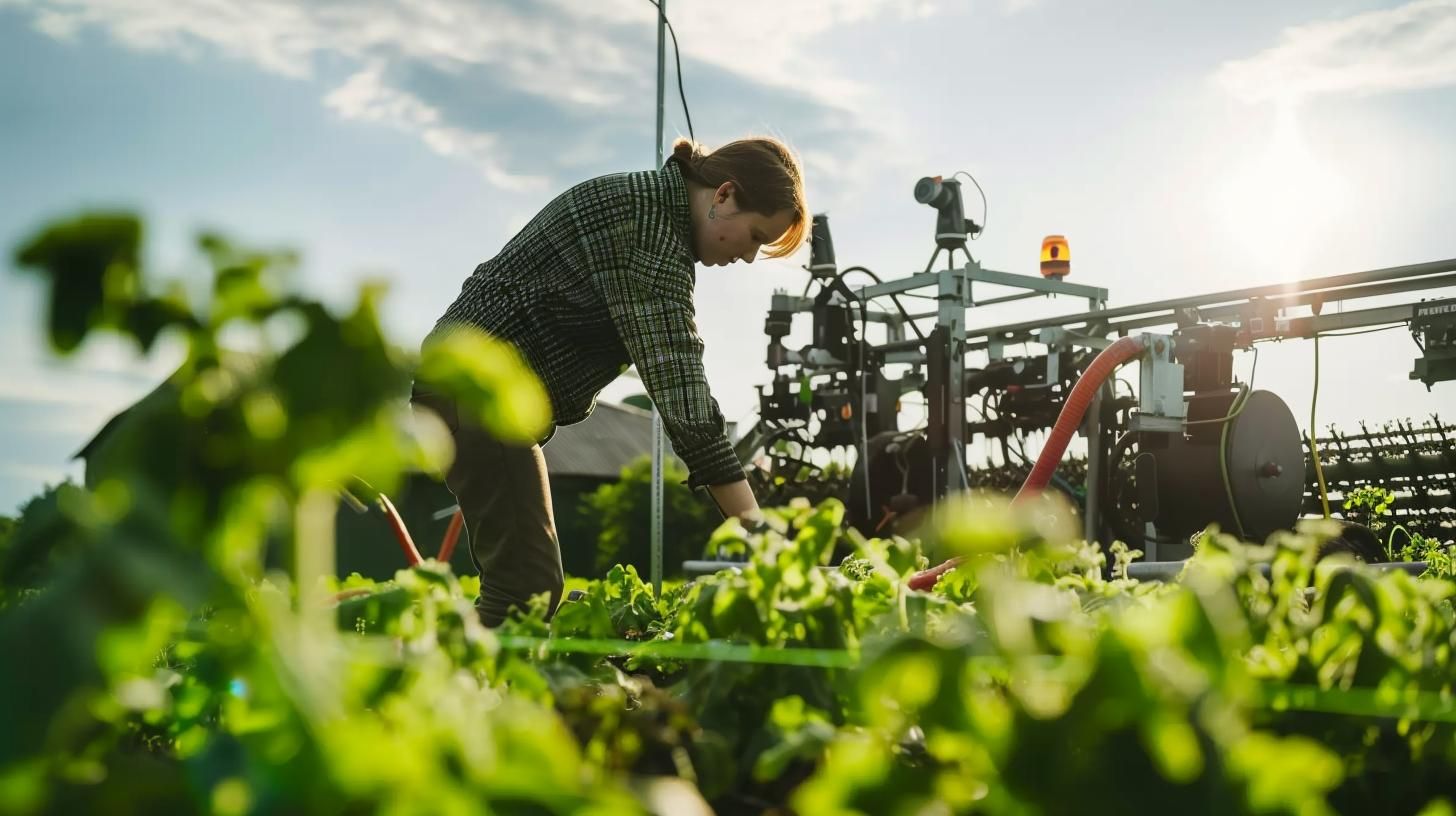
{"x": 685, "y": 150}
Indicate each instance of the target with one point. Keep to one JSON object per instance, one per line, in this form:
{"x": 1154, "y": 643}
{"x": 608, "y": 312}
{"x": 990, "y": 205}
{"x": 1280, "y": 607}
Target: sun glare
{"x": 1281, "y": 202}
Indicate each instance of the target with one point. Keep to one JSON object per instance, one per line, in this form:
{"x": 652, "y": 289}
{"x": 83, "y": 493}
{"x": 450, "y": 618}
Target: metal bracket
{"x": 1149, "y": 423}
{"x": 1160, "y": 397}
{"x": 1066, "y": 338}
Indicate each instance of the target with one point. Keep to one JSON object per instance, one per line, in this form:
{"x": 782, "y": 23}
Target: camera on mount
{"x": 952, "y": 228}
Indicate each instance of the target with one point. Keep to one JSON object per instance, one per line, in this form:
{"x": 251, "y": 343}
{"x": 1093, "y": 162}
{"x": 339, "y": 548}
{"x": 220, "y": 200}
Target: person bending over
{"x": 601, "y": 277}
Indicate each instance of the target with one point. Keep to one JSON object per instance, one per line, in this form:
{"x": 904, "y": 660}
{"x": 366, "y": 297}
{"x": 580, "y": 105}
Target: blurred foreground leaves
{"x": 152, "y": 664}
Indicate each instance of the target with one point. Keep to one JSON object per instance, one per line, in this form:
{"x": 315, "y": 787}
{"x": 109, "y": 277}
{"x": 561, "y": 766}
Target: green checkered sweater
{"x": 603, "y": 277}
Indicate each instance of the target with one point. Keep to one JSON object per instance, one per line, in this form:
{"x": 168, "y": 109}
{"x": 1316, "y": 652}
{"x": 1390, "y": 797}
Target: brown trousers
{"x": 505, "y": 499}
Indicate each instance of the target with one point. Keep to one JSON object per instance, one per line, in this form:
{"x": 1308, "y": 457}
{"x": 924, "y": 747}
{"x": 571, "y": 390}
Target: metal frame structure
{"x": 1255, "y": 307}
{"x": 1257, "y": 312}
{"x": 943, "y": 350}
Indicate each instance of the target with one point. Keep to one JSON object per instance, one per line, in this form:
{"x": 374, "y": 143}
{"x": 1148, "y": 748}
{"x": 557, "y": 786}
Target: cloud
{"x": 1410, "y": 47}
{"x": 39, "y": 474}
{"x": 73, "y": 408}
{"x": 365, "y": 97}
{"x": 463, "y": 74}
{"x": 67, "y": 425}
{"x": 56, "y": 392}
{"x": 77, "y": 394}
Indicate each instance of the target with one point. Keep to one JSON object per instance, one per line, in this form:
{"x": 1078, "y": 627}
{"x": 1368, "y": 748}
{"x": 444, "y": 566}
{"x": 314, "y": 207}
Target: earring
{"x": 712, "y": 212}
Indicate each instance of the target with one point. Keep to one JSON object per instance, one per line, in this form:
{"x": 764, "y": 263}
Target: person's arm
{"x": 735, "y": 499}
{"x": 649, "y": 296}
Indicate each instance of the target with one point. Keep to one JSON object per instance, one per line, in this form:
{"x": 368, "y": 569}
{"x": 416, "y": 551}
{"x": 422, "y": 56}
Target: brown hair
{"x": 766, "y": 180}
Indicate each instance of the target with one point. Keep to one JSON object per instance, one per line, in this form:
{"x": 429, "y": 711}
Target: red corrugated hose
{"x": 1125, "y": 349}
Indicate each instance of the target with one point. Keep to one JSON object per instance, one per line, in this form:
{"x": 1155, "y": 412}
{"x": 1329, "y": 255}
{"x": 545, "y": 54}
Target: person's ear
{"x": 724, "y": 193}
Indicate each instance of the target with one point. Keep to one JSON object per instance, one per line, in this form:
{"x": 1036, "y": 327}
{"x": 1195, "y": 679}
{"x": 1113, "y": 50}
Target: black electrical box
{"x": 1433, "y": 324}
{"x": 1206, "y": 352}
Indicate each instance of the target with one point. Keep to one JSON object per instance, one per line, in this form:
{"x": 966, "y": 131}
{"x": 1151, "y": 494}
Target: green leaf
{"x": 489, "y": 382}
{"x": 92, "y": 264}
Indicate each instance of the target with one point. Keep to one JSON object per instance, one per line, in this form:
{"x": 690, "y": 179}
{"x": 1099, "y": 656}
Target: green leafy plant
{"x": 1368, "y": 505}
{"x": 162, "y": 668}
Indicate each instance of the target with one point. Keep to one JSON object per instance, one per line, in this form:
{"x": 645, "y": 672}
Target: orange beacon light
{"x": 1056, "y": 258}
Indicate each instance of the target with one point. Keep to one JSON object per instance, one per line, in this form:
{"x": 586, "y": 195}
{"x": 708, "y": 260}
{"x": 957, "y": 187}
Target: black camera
{"x": 937, "y": 193}
{"x": 952, "y": 228}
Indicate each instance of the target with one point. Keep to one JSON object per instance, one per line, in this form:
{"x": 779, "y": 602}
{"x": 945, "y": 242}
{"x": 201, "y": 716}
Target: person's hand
{"x": 754, "y": 522}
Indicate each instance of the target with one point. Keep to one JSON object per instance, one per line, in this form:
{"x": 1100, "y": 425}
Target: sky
{"x": 1182, "y": 148}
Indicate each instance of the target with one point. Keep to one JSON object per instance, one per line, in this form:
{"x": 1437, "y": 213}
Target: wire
{"x": 898, "y": 305}
{"x": 1319, "y": 471}
{"x": 1237, "y": 406}
{"x": 677, "y": 59}
{"x": 961, "y": 463}
{"x": 864, "y": 415}
{"x": 1363, "y": 331}
{"x": 1222, "y": 419}
{"x": 1021, "y": 449}
{"x": 985, "y": 208}
{"x": 873, "y": 276}
{"x": 837, "y": 283}
{"x": 1252, "y": 371}
{"x": 1228, "y": 488}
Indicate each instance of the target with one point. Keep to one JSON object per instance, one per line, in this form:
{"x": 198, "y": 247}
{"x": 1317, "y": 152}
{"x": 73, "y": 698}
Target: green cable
{"x": 1319, "y": 471}
{"x": 1225, "y": 418}
{"x": 1416, "y": 706}
{"x": 1268, "y": 694}
{"x": 668, "y": 650}
{"x": 1234, "y": 410}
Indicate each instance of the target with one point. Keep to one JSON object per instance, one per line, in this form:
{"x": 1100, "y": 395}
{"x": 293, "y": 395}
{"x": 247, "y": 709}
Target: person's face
{"x": 733, "y": 234}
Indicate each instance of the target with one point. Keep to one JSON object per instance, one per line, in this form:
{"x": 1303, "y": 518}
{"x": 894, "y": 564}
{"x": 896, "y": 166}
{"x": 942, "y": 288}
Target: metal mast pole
{"x": 657, "y": 445}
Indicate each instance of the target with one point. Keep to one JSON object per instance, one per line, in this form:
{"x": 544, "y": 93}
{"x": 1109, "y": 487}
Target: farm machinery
{"x": 1189, "y": 445}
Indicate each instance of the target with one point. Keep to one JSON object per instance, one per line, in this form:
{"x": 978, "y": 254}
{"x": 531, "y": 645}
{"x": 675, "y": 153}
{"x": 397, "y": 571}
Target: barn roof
{"x": 602, "y": 444}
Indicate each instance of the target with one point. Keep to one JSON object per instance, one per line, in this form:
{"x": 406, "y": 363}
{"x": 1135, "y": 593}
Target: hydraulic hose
{"x": 1125, "y": 349}
{"x": 452, "y": 534}
{"x": 401, "y": 532}
{"x": 407, "y": 542}
{"x": 1070, "y": 418}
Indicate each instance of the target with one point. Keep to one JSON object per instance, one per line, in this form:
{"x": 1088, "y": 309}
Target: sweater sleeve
{"x": 649, "y": 296}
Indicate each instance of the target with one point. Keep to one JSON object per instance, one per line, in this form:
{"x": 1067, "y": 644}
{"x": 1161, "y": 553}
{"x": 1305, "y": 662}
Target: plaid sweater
{"x": 603, "y": 276}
